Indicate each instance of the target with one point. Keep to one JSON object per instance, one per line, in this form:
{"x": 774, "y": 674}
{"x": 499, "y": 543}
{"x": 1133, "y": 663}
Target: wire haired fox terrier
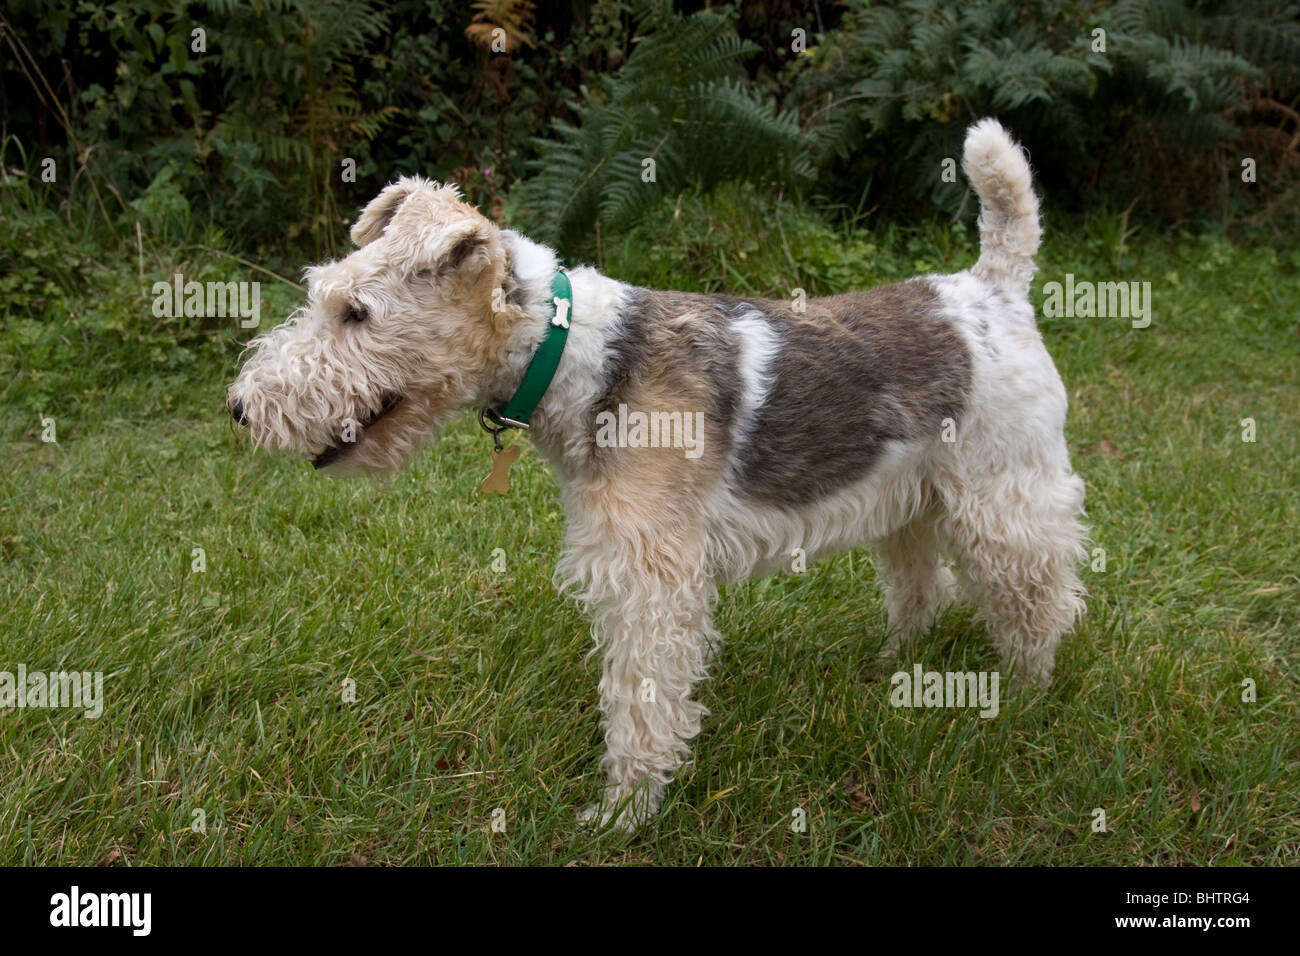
{"x": 924, "y": 418}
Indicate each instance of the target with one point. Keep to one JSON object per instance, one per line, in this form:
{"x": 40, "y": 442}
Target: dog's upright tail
{"x": 1009, "y": 229}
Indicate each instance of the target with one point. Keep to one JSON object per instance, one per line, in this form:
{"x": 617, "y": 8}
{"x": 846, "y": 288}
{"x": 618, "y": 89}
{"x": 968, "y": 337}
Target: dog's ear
{"x": 439, "y": 252}
{"x": 379, "y": 213}
{"x": 448, "y": 239}
{"x": 427, "y": 228}
{"x": 464, "y": 249}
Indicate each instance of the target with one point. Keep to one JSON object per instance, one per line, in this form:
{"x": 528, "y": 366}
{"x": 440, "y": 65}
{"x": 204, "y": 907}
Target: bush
{"x": 1163, "y": 116}
{"x": 675, "y": 117}
{"x": 250, "y": 132}
{"x": 75, "y": 319}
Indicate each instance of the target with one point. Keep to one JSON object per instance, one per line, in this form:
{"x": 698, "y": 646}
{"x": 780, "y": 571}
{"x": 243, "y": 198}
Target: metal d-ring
{"x": 496, "y": 432}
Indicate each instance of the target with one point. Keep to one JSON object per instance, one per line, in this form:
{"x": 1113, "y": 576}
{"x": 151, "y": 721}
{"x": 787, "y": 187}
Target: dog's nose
{"x": 237, "y": 411}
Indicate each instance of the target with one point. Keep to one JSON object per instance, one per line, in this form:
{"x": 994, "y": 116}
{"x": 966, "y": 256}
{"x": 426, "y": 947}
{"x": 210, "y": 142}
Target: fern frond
{"x": 677, "y": 103}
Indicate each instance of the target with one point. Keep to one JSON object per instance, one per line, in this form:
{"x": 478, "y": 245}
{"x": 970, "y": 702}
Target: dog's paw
{"x": 599, "y": 817}
{"x": 1024, "y": 678}
{"x": 623, "y": 810}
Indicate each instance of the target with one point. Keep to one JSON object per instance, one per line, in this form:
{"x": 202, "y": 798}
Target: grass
{"x": 224, "y": 689}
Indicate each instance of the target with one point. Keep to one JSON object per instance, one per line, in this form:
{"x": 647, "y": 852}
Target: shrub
{"x": 677, "y": 116}
{"x": 1162, "y": 113}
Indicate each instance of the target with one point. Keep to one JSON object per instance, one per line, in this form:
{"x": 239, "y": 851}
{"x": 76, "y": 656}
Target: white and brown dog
{"x": 924, "y": 418}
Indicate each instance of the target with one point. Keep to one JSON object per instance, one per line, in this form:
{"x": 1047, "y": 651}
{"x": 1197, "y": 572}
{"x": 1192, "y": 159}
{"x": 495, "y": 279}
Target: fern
{"x": 299, "y": 58}
{"x": 678, "y": 103}
{"x": 1173, "y": 85}
{"x": 514, "y": 18}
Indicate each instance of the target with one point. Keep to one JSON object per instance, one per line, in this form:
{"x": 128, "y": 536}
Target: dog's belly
{"x": 750, "y": 538}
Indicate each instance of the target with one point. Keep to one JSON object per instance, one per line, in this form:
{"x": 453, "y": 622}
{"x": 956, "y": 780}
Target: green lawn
{"x": 224, "y": 689}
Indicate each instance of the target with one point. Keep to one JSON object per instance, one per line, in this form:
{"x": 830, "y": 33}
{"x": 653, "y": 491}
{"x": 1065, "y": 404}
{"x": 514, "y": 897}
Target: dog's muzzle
{"x": 333, "y": 453}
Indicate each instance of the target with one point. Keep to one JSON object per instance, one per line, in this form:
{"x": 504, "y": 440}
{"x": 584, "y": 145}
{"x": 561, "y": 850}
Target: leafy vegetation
{"x": 1144, "y": 101}
{"x": 273, "y": 121}
{"x": 659, "y": 127}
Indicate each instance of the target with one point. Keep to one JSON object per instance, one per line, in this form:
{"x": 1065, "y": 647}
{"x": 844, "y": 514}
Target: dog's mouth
{"x": 341, "y": 447}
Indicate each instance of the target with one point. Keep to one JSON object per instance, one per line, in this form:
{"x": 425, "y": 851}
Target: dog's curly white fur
{"x": 924, "y": 418}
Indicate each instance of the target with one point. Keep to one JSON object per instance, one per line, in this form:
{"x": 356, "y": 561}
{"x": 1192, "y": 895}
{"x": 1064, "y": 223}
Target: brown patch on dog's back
{"x": 853, "y": 373}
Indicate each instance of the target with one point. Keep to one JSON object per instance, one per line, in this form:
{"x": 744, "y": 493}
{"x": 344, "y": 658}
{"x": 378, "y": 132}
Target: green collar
{"x": 541, "y": 370}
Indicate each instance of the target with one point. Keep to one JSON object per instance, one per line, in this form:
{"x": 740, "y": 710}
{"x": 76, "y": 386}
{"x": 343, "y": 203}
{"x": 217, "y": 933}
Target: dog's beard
{"x": 389, "y": 440}
{"x": 349, "y": 435}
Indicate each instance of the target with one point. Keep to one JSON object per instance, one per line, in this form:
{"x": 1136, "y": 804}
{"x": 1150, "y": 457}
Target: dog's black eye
{"x": 424, "y": 275}
{"x": 354, "y": 314}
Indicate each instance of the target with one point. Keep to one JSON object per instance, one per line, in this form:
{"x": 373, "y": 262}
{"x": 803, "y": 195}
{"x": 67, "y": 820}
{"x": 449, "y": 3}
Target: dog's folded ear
{"x": 462, "y": 250}
{"x": 454, "y": 241}
{"x": 380, "y": 211}
{"x": 428, "y": 230}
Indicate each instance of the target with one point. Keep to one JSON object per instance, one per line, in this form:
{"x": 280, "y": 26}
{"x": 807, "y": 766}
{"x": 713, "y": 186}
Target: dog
{"x": 924, "y": 418}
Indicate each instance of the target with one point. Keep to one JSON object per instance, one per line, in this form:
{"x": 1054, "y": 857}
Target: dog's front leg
{"x": 655, "y": 646}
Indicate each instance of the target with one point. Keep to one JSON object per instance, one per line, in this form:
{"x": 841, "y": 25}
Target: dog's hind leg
{"x": 917, "y": 585}
{"x": 1017, "y": 539}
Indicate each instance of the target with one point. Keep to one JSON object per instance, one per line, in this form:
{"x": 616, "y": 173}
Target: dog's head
{"x": 391, "y": 341}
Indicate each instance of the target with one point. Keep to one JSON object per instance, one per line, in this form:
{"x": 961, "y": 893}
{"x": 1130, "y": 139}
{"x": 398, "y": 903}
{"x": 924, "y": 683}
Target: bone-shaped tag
{"x": 502, "y": 459}
{"x": 561, "y": 313}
